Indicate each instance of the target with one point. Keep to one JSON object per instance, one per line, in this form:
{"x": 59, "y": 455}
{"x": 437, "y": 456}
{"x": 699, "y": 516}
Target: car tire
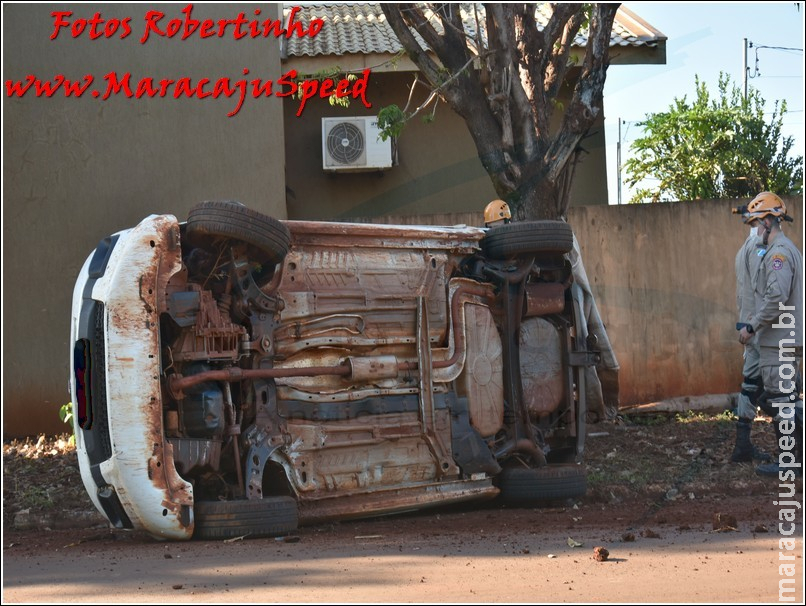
{"x": 525, "y": 486}
{"x": 528, "y": 238}
{"x": 229, "y": 219}
{"x": 269, "y": 517}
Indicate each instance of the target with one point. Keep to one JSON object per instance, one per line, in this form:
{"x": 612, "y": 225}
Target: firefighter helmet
{"x": 763, "y": 205}
{"x": 497, "y": 210}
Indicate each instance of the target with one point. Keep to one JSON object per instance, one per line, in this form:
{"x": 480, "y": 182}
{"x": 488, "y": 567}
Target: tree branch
{"x": 416, "y": 53}
{"x": 557, "y": 67}
{"x": 585, "y": 104}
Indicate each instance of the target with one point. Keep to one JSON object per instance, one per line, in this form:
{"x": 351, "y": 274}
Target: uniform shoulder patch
{"x": 778, "y": 261}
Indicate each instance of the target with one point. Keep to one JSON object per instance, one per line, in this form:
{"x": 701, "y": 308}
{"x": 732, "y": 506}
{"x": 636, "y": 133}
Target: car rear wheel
{"x": 269, "y": 517}
{"x": 210, "y": 220}
{"x": 528, "y": 238}
{"x": 524, "y": 486}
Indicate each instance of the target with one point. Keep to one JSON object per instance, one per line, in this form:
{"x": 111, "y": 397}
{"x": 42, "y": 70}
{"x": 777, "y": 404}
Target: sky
{"x": 705, "y": 39}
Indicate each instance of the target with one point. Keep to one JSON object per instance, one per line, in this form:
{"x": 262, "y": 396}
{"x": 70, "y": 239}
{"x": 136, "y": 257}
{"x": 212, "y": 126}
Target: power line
{"x": 756, "y": 72}
{"x": 800, "y": 50}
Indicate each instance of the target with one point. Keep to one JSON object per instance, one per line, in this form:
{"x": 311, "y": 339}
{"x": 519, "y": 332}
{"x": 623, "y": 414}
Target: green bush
{"x": 66, "y": 415}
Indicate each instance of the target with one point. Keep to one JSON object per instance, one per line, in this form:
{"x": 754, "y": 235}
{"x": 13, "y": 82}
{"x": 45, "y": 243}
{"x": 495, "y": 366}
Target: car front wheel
{"x": 269, "y": 517}
{"x": 232, "y": 220}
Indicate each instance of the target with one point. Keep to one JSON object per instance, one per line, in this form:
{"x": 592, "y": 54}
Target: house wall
{"x": 438, "y": 163}
{"x": 664, "y": 281}
{"x": 76, "y": 170}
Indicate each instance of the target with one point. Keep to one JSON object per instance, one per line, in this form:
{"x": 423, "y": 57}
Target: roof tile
{"x": 353, "y": 28}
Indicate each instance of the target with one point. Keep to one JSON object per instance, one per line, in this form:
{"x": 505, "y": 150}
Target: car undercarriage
{"x": 291, "y": 372}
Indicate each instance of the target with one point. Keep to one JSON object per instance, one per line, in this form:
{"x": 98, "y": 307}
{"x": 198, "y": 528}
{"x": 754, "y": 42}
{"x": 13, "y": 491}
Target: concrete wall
{"x": 664, "y": 281}
{"x": 75, "y": 170}
{"x": 439, "y": 166}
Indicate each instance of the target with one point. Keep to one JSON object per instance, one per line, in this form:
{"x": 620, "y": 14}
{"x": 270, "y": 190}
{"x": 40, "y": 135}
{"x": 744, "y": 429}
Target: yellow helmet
{"x": 764, "y": 204}
{"x": 497, "y": 210}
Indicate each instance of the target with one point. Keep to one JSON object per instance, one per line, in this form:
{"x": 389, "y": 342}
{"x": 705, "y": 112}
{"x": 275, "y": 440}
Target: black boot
{"x": 744, "y": 451}
{"x": 773, "y": 469}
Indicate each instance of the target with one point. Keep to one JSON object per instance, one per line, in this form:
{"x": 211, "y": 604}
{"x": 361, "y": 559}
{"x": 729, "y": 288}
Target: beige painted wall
{"x": 439, "y": 166}
{"x": 663, "y": 277}
{"x": 76, "y": 170}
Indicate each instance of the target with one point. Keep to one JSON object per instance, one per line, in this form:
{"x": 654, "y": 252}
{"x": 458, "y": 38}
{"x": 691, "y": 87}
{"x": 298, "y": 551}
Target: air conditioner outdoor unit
{"x": 354, "y": 144}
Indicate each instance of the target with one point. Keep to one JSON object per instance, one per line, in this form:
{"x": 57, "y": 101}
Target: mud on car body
{"x": 235, "y": 374}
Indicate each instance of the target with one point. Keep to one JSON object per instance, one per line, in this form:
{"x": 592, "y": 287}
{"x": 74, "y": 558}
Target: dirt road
{"x": 658, "y": 552}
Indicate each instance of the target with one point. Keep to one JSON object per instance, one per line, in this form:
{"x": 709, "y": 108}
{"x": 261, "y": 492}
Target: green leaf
{"x": 391, "y": 120}
{"x": 66, "y": 413}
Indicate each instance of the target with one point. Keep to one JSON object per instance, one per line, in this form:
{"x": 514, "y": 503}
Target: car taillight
{"x": 82, "y": 369}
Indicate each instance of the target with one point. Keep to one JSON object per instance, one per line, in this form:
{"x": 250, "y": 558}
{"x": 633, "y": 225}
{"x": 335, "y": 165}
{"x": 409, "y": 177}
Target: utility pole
{"x": 745, "y": 68}
{"x": 618, "y": 164}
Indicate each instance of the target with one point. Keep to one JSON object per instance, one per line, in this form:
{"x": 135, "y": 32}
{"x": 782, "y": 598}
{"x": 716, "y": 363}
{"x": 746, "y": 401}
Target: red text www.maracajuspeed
{"x": 202, "y": 88}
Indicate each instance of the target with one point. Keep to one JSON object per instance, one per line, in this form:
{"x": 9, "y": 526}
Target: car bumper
{"x": 126, "y": 464}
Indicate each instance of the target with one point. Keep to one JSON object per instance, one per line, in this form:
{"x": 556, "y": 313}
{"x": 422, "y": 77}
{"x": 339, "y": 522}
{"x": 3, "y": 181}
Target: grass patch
{"x": 705, "y": 417}
{"x": 33, "y": 497}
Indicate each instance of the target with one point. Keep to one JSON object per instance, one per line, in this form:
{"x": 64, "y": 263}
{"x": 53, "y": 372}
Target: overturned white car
{"x": 235, "y": 374}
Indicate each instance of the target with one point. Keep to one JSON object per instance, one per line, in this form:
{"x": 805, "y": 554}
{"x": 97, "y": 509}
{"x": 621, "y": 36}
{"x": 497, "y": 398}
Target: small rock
{"x": 760, "y": 528}
{"x": 600, "y": 554}
{"x": 725, "y": 521}
{"x": 287, "y": 539}
{"x": 628, "y": 537}
{"x": 648, "y": 533}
